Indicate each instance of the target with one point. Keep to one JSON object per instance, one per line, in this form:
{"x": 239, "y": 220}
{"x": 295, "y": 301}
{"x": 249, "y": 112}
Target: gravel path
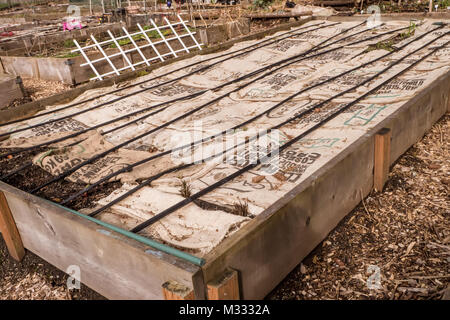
{"x": 402, "y": 234}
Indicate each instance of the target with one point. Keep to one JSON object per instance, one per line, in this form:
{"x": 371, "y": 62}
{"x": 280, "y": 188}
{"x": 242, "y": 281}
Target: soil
{"x": 34, "y": 176}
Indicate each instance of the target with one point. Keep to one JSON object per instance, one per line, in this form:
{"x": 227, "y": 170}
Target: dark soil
{"x": 34, "y": 176}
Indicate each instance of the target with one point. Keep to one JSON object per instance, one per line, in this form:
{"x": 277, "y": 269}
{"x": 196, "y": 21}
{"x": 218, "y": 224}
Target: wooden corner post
{"x": 172, "y": 290}
{"x": 382, "y": 158}
{"x": 225, "y": 288}
{"x": 9, "y": 230}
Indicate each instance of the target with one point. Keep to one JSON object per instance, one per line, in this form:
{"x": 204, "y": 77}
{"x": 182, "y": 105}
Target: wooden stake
{"x": 382, "y": 158}
{"x": 9, "y": 230}
{"x": 225, "y": 288}
{"x": 172, "y": 290}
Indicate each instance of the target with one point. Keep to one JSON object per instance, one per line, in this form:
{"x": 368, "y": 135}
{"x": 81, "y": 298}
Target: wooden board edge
{"x": 60, "y": 237}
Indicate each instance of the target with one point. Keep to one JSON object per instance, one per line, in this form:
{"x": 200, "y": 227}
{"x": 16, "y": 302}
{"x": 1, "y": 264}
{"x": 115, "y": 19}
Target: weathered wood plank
{"x": 9, "y": 230}
{"x": 278, "y": 15}
{"x": 382, "y": 158}
{"x": 113, "y": 265}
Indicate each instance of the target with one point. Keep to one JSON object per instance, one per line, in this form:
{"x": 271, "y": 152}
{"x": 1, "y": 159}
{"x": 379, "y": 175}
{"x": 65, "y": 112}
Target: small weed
{"x": 155, "y": 33}
{"x": 410, "y": 32}
{"x": 261, "y": 4}
{"x": 241, "y": 209}
{"x": 68, "y": 43}
{"x": 142, "y": 73}
{"x": 388, "y": 45}
{"x": 185, "y": 189}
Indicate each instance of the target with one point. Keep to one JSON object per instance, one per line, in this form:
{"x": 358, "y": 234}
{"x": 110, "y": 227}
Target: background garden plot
{"x": 193, "y": 228}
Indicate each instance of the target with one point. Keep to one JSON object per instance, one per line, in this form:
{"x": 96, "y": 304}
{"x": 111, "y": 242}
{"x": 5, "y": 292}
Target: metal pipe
{"x": 152, "y": 243}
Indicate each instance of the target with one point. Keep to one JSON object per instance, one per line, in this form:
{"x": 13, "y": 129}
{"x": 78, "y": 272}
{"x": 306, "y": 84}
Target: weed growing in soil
{"x": 185, "y": 189}
{"x": 388, "y": 45}
{"x": 140, "y": 74}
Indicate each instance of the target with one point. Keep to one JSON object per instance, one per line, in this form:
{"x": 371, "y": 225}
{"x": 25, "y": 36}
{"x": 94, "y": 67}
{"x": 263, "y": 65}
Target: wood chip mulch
{"x": 403, "y": 232}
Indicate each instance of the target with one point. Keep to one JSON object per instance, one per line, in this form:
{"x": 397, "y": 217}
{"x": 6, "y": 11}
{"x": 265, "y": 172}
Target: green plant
{"x": 262, "y": 3}
{"x": 142, "y": 73}
{"x": 122, "y": 42}
{"x": 385, "y": 45}
{"x": 411, "y": 29}
{"x": 444, "y": 4}
{"x": 155, "y": 33}
{"x": 410, "y": 32}
{"x": 4, "y": 6}
{"x": 68, "y": 43}
{"x": 185, "y": 189}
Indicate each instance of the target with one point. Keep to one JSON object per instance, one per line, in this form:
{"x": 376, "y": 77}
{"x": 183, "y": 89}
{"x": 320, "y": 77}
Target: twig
{"x": 364, "y": 204}
{"x": 434, "y": 204}
{"x": 393, "y": 291}
{"x": 359, "y": 225}
{"x": 431, "y": 277}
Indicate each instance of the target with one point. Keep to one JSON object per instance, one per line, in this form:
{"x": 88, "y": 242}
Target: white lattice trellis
{"x": 128, "y": 64}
